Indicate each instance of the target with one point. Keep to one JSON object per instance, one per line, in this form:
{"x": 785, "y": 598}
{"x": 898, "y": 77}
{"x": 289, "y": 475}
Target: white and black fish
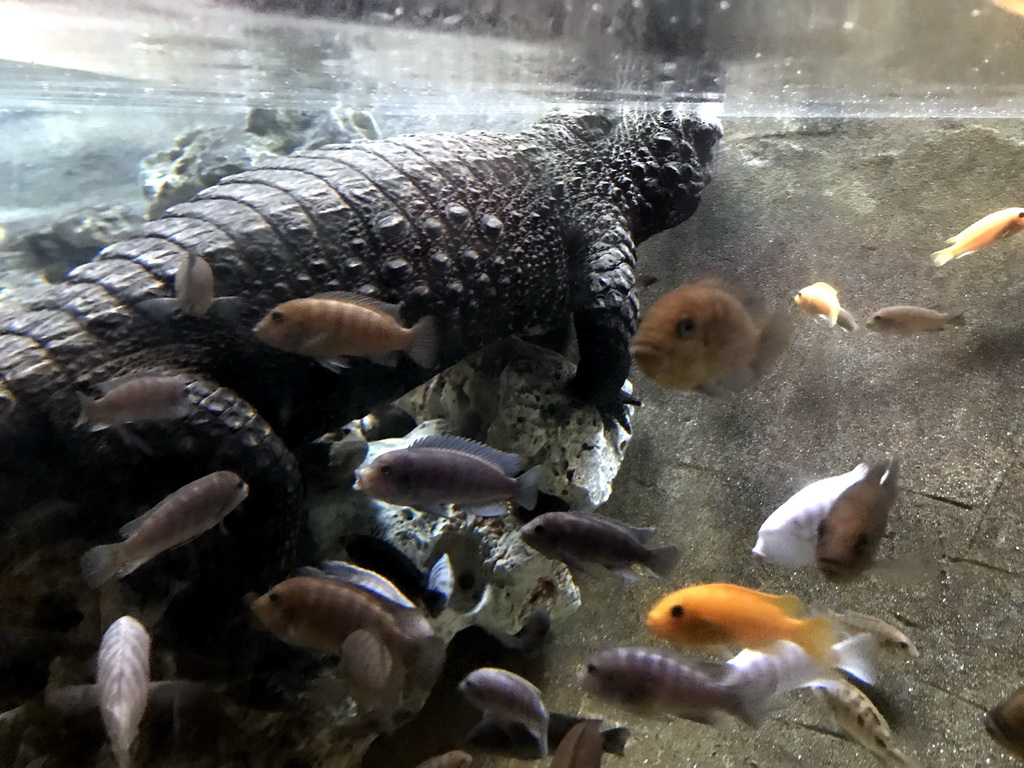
{"x": 440, "y": 470}
{"x": 863, "y": 723}
{"x": 505, "y": 696}
{"x": 579, "y": 538}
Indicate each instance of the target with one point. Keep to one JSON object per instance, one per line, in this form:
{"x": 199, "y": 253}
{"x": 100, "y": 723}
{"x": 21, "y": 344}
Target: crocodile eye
{"x": 677, "y": 611}
{"x": 277, "y": 316}
{"x": 685, "y": 327}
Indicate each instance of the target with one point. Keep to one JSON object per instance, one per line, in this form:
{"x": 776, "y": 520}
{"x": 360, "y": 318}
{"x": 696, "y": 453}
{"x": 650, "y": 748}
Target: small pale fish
{"x": 333, "y": 327}
{"x": 1005, "y": 723}
{"x": 321, "y": 614}
{"x": 851, "y": 533}
{"x": 861, "y": 721}
{"x": 728, "y": 614}
{"x": 846, "y": 321}
{"x": 985, "y": 231}
{"x": 135, "y": 398}
{"x": 703, "y": 337}
{"x": 789, "y": 536}
{"x": 440, "y": 470}
{"x": 454, "y": 759}
{"x": 122, "y": 679}
{"x": 193, "y": 285}
{"x": 373, "y": 677}
{"x": 507, "y": 696}
{"x": 579, "y": 538}
{"x": 656, "y": 681}
{"x": 440, "y": 586}
{"x": 187, "y": 513}
{"x": 905, "y": 319}
{"x": 821, "y": 300}
{"x": 581, "y": 747}
{"x": 886, "y": 635}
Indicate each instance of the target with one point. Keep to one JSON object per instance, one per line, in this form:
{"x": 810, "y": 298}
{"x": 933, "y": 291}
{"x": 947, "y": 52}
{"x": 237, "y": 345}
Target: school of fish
{"x": 376, "y": 615}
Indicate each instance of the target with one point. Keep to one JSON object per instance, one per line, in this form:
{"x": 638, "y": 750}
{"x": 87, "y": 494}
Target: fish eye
{"x": 591, "y": 668}
{"x": 861, "y": 542}
{"x": 539, "y": 529}
{"x": 240, "y": 486}
{"x": 903, "y": 645}
{"x": 385, "y": 469}
{"x": 685, "y": 327}
{"x": 277, "y": 316}
{"x": 677, "y": 611}
{"x": 1020, "y": 215}
{"x": 273, "y": 597}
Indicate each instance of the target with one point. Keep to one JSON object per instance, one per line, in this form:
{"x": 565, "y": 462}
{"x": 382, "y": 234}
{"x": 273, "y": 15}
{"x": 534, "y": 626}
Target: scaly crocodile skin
{"x": 495, "y": 234}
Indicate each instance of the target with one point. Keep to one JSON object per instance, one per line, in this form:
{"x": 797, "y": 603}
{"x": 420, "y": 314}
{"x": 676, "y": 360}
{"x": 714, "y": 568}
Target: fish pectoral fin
{"x": 438, "y": 509}
{"x": 389, "y": 359}
{"x": 132, "y": 526}
{"x": 624, "y": 572}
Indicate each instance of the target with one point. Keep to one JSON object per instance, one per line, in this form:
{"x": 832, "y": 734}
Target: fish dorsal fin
{"x": 791, "y": 605}
{"x": 391, "y": 310}
{"x": 441, "y": 577}
{"x": 347, "y": 573}
{"x": 642, "y": 535}
{"x": 508, "y": 463}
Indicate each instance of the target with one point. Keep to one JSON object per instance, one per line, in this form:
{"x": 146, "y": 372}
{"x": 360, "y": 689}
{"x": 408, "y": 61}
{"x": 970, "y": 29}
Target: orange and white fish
{"x": 701, "y": 337}
{"x": 728, "y": 614}
{"x": 819, "y": 299}
{"x": 331, "y": 327}
{"x": 986, "y": 231}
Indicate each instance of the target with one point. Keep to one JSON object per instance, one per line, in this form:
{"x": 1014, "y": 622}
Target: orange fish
{"x": 1013, "y": 6}
{"x": 331, "y": 327}
{"x": 820, "y": 299}
{"x": 701, "y": 337}
{"x": 728, "y": 614}
{"x": 985, "y": 231}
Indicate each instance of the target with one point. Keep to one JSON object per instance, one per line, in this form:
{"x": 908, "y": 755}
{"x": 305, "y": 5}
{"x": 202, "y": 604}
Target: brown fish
{"x": 849, "y": 536}
{"x": 134, "y": 398}
{"x": 846, "y": 321}
{"x": 188, "y": 512}
{"x": 439, "y": 470}
{"x": 886, "y": 635}
{"x": 577, "y": 538}
{"x": 905, "y": 319}
{"x": 454, "y": 759}
{"x": 581, "y": 747}
{"x": 1005, "y": 722}
{"x": 701, "y": 337}
{"x": 331, "y": 327}
{"x": 322, "y": 614}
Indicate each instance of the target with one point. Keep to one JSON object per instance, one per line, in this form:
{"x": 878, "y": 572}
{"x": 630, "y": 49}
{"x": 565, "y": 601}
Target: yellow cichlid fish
{"x": 819, "y": 299}
{"x": 986, "y": 231}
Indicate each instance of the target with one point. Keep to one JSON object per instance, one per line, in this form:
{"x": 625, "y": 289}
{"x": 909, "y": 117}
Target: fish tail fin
{"x": 956, "y": 318}
{"x": 816, "y": 637}
{"x": 772, "y": 342}
{"x": 751, "y": 702}
{"x": 100, "y": 564}
{"x": 526, "y": 488}
{"x": 855, "y": 655}
{"x": 84, "y": 417}
{"x": 423, "y": 350}
{"x": 662, "y": 560}
{"x": 946, "y": 254}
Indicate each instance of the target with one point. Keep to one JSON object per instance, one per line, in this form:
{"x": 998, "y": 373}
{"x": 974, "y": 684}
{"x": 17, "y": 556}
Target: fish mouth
{"x": 360, "y": 483}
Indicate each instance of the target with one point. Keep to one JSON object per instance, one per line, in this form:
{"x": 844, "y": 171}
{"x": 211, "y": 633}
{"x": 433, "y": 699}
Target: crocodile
{"x": 494, "y": 234}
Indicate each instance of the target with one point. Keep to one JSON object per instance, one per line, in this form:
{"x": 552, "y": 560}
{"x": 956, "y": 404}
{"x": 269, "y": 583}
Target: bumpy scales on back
{"x": 493, "y": 234}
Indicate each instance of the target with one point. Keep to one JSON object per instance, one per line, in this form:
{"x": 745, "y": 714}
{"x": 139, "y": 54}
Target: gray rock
{"x": 75, "y": 239}
{"x": 203, "y": 156}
